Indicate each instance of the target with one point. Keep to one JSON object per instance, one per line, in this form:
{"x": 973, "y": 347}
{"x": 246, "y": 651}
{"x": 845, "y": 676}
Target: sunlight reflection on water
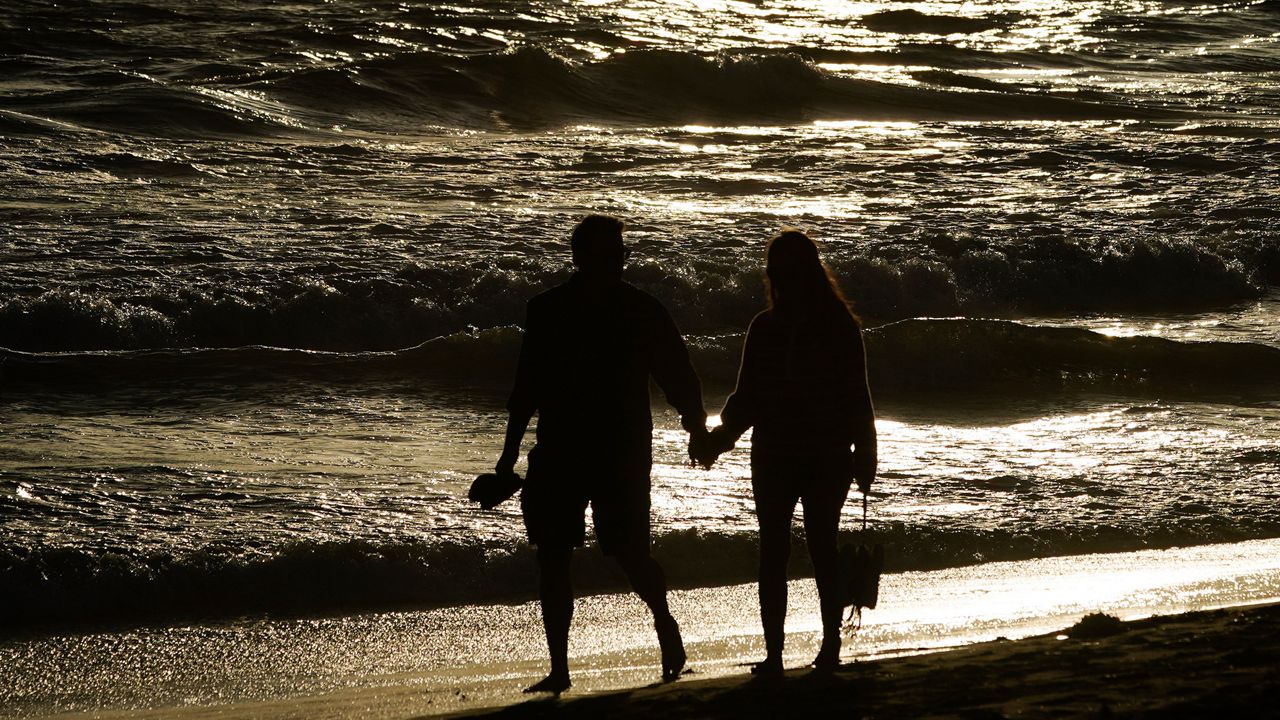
{"x": 371, "y": 464}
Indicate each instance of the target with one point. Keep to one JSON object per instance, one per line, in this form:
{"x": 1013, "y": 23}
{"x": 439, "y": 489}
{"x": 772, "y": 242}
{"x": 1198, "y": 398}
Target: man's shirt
{"x": 585, "y": 365}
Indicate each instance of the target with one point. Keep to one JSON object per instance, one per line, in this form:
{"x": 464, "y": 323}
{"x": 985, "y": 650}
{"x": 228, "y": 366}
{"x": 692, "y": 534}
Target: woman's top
{"x": 802, "y": 385}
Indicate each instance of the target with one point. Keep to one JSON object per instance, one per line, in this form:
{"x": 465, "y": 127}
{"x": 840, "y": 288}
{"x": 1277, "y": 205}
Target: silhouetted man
{"x": 590, "y": 347}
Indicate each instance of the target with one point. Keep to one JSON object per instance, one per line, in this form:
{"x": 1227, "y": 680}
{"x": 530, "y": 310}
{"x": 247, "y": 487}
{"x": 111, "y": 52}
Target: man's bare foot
{"x": 673, "y": 656}
{"x": 554, "y": 683}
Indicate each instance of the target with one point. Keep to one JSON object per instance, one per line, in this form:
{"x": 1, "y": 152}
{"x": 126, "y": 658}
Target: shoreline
{"x": 405, "y": 664}
{"x": 1218, "y": 662}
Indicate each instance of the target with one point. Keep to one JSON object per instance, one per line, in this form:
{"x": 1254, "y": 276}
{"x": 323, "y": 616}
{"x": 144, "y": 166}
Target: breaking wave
{"x": 530, "y": 87}
{"x": 932, "y": 275}
{"x": 910, "y": 356}
{"x": 44, "y": 587}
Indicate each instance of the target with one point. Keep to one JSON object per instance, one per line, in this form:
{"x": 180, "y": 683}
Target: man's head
{"x": 597, "y": 246}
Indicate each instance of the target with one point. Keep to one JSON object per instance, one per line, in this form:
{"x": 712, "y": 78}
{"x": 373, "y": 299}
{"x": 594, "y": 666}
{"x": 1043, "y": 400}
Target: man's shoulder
{"x": 633, "y": 300}
{"x": 550, "y": 297}
{"x": 640, "y": 298}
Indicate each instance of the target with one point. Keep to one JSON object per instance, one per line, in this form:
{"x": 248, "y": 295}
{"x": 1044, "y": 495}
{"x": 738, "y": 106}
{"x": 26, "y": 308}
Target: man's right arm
{"x": 523, "y": 402}
{"x": 516, "y": 425}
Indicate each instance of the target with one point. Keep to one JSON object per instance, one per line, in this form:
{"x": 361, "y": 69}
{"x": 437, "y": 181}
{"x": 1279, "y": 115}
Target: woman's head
{"x": 799, "y": 283}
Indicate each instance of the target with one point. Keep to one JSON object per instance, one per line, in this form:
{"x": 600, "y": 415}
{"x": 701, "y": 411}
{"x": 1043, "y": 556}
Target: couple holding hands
{"x": 590, "y": 347}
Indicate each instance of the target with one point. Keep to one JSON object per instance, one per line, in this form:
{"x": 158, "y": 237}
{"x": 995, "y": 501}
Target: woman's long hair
{"x": 800, "y": 285}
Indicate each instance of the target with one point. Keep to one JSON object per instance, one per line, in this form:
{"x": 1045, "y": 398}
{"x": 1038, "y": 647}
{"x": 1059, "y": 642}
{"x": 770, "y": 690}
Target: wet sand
{"x": 415, "y": 663}
{"x": 1214, "y": 663}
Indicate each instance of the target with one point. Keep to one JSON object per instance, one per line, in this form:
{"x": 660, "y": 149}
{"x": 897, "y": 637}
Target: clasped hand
{"x": 706, "y": 447}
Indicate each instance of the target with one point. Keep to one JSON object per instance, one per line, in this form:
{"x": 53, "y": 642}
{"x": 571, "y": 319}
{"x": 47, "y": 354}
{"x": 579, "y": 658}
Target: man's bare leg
{"x": 555, "y": 594}
{"x": 650, "y": 583}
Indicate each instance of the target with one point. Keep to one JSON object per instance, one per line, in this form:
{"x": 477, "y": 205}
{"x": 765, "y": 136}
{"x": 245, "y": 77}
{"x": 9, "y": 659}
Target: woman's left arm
{"x": 865, "y": 453}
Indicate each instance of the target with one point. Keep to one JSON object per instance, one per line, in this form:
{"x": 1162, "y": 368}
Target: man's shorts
{"x": 554, "y": 504}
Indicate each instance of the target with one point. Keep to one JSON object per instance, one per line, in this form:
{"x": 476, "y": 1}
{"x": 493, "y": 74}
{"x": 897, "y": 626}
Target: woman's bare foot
{"x": 829, "y": 656}
{"x": 770, "y": 667}
{"x": 555, "y": 683}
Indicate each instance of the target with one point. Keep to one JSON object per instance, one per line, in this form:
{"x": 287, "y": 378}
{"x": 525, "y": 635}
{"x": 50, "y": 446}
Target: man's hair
{"x": 596, "y": 233}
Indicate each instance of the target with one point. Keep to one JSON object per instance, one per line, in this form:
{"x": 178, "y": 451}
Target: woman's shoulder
{"x": 763, "y": 322}
{"x": 847, "y": 324}
{"x": 835, "y": 327}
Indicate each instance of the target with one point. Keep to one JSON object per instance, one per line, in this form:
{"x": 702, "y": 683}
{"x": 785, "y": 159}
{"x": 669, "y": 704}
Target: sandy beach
{"x": 1209, "y": 663}
{"x": 968, "y": 642}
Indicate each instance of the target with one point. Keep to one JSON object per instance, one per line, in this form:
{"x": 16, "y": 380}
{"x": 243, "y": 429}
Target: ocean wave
{"x": 907, "y": 358}
{"x": 531, "y": 87}
{"x": 527, "y": 65}
{"x": 47, "y": 587}
{"x": 932, "y": 274}
{"x": 937, "y": 54}
{"x": 1009, "y": 357}
{"x": 946, "y": 78}
{"x": 133, "y": 105}
{"x": 912, "y": 21}
{"x": 131, "y": 165}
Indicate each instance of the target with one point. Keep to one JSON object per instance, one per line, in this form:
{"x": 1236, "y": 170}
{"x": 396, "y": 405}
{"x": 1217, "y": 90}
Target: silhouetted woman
{"x": 803, "y": 386}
